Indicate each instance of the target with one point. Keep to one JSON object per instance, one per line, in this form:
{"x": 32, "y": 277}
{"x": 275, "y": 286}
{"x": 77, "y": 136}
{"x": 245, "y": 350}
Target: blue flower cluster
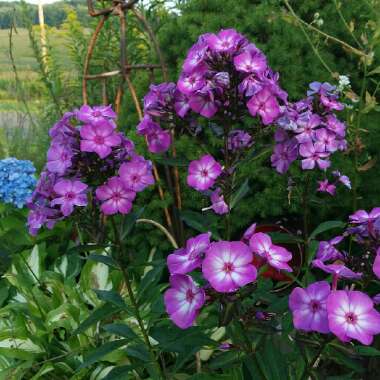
{"x": 17, "y": 181}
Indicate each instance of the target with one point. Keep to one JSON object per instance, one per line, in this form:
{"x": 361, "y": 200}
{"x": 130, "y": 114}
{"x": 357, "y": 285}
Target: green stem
{"x": 128, "y": 284}
{"x": 356, "y": 140}
{"x": 309, "y": 367}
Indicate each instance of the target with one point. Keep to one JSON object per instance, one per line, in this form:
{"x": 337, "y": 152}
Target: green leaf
{"x": 367, "y": 351}
{"x": 284, "y": 238}
{"x": 179, "y": 161}
{"x": 150, "y": 278}
{"x": 326, "y": 226}
{"x": 225, "y": 359}
{"x": 107, "y": 260}
{"x": 102, "y": 312}
{"x": 199, "y": 222}
{"x": 240, "y": 194}
{"x": 98, "y": 353}
{"x": 121, "y": 330}
{"x": 130, "y": 221}
{"x": 117, "y": 372}
{"x": 138, "y": 351}
{"x": 376, "y": 70}
{"x": 111, "y": 297}
{"x": 87, "y": 248}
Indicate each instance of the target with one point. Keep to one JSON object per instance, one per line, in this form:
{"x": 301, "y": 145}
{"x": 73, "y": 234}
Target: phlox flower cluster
{"x": 309, "y": 130}
{"x": 88, "y": 159}
{"x": 226, "y": 267}
{"x": 17, "y": 181}
{"x": 346, "y": 313}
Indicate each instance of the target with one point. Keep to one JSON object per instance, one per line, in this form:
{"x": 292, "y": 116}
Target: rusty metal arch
{"x": 119, "y": 8}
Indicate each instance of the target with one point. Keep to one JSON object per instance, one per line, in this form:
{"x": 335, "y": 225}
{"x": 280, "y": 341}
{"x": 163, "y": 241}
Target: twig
{"x": 162, "y": 228}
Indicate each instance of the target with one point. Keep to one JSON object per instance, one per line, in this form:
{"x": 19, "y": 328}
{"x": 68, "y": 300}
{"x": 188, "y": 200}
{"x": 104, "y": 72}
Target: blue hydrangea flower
{"x": 17, "y": 181}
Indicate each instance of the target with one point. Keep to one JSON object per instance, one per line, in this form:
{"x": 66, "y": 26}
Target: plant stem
{"x": 307, "y": 370}
{"x": 128, "y": 284}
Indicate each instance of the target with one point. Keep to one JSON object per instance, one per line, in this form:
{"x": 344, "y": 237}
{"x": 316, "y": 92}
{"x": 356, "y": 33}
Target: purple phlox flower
{"x": 182, "y": 260}
{"x": 221, "y": 80}
{"x": 361, "y": 216}
{"x": 70, "y": 194}
{"x": 309, "y": 307}
{"x": 115, "y": 197}
{"x": 181, "y": 104}
{"x": 376, "y": 299}
{"x": 158, "y": 140}
{"x": 196, "y": 55}
{"x": 203, "y": 173}
{"x": 342, "y": 178}
{"x": 335, "y": 125}
{"x": 327, "y": 140}
{"x": 331, "y": 103}
{"x": 204, "y": 103}
{"x": 188, "y": 83}
{"x": 218, "y": 205}
{"x": 281, "y": 135}
{"x": 327, "y": 251}
{"x": 376, "y": 264}
{"x": 239, "y": 139}
{"x": 62, "y": 126}
{"x": 326, "y": 187}
{"x": 338, "y": 269}
{"x": 58, "y": 159}
{"x": 159, "y": 100}
{"x": 228, "y": 266}
{"x": 250, "y": 85}
{"x": 226, "y": 41}
{"x": 95, "y": 115}
{"x": 284, "y": 154}
{"x": 249, "y": 232}
{"x": 225, "y": 346}
{"x": 306, "y": 130}
{"x": 251, "y": 61}
{"x": 276, "y": 256}
{"x": 39, "y": 216}
{"x": 264, "y": 104}
{"x": 313, "y": 154}
{"x": 351, "y": 315}
{"x": 136, "y": 175}
{"x": 99, "y": 138}
{"x": 318, "y": 88}
{"x": 270, "y": 79}
{"x": 183, "y": 300}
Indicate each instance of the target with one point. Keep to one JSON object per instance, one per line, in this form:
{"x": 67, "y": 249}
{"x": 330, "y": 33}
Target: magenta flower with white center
{"x": 136, "y": 175}
{"x": 228, "y": 266}
{"x": 326, "y": 187}
{"x": 376, "y": 264}
{"x": 314, "y": 154}
{"x": 339, "y": 270}
{"x": 183, "y": 260}
{"x": 351, "y": 315}
{"x": 70, "y": 194}
{"x": 276, "y": 256}
{"x": 183, "y": 300}
{"x": 264, "y": 104}
{"x": 309, "y": 307}
{"x": 188, "y": 83}
{"x": 95, "y": 115}
{"x": 218, "y": 205}
{"x": 327, "y": 251}
{"x": 203, "y": 173}
{"x": 99, "y": 138}
{"x": 251, "y": 61}
{"x": 115, "y": 197}
{"x": 203, "y": 102}
{"x": 58, "y": 159}
{"x": 225, "y": 41}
